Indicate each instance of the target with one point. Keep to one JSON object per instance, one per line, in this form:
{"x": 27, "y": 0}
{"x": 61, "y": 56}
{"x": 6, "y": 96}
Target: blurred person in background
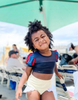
{"x": 72, "y": 47}
{"x": 13, "y": 64}
{"x": 16, "y": 49}
{"x": 75, "y": 55}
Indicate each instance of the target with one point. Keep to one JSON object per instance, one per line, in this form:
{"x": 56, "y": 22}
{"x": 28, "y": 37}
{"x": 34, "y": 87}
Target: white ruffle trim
{"x": 52, "y": 88}
{"x": 27, "y": 89}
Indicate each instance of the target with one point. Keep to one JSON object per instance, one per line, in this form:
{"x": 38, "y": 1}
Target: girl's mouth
{"x": 42, "y": 44}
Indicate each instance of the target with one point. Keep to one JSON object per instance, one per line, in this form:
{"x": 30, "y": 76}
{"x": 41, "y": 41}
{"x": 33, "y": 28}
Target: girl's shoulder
{"x": 30, "y": 55}
{"x": 57, "y": 55}
{"x": 55, "y": 51}
{"x": 30, "y": 60}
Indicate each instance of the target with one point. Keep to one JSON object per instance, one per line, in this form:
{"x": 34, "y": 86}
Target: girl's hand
{"x": 18, "y": 93}
{"x": 59, "y": 75}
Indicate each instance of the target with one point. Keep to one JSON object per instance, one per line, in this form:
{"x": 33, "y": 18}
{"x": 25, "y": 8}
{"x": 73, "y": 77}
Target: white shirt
{"x": 13, "y": 64}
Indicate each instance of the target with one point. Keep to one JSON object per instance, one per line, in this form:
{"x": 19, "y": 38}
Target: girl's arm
{"x": 25, "y": 76}
{"x": 22, "y": 81}
{"x": 57, "y": 73}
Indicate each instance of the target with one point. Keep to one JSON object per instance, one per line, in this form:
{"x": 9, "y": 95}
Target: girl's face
{"x": 40, "y": 40}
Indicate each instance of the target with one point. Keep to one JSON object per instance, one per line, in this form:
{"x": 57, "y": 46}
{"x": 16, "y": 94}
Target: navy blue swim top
{"x": 42, "y": 64}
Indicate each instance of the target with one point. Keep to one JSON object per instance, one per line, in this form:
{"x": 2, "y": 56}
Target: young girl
{"x": 41, "y": 64}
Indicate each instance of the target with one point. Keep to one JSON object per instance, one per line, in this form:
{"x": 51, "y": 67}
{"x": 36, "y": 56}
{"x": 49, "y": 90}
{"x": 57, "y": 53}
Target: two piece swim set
{"x": 40, "y": 64}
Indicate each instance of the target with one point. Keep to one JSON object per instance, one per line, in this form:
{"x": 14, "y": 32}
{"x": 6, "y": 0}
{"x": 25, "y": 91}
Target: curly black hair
{"x": 72, "y": 46}
{"x": 34, "y": 27}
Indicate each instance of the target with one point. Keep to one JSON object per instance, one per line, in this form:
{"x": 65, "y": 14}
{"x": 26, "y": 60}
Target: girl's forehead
{"x": 38, "y": 33}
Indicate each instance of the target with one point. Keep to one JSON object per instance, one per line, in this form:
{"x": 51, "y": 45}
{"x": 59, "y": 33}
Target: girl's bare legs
{"x": 47, "y": 96}
{"x": 33, "y": 95}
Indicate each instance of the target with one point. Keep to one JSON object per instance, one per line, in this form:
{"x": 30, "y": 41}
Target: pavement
{"x": 9, "y": 94}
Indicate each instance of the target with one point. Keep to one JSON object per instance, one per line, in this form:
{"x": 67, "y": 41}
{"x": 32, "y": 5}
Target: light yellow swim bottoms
{"x": 40, "y": 85}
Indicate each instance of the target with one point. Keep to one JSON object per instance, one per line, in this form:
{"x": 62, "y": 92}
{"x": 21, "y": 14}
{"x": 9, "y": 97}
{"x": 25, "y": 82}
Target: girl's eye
{"x": 36, "y": 40}
{"x": 43, "y": 36}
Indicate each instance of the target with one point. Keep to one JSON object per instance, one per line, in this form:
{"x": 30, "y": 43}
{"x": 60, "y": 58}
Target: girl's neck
{"x": 45, "y": 53}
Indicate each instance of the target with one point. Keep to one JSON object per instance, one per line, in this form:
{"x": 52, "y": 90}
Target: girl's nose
{"x": 41, "y": 40}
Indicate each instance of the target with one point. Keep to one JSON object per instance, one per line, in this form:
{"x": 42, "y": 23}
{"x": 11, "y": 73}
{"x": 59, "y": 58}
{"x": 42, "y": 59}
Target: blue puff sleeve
{"x": 30, "y": 61}
{"x": 57, "y": 55}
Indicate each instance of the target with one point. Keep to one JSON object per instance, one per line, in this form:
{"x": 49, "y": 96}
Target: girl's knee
{"x": 48, "y": 96}
{"x": 33, "y": 95}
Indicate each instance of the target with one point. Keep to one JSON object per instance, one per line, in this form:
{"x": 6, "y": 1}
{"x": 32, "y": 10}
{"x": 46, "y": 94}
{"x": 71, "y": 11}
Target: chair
{"x": 61, "y": 89}
{"x": 67, "y": 71}
{"x": 4, "y": 75}
{"x": 1, "y": 75}
{"x": 15, "y": 75}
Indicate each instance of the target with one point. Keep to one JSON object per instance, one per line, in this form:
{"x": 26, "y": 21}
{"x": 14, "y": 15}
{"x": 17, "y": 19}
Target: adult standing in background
{"x": 15, "y": 49}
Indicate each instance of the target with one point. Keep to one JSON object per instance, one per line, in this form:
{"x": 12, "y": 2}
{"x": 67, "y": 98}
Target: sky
{"x": 14, "y": 34}
{"x": 66, "y": 35}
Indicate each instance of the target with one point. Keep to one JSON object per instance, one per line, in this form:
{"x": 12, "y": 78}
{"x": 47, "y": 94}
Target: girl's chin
{"x": 44, "y": 48}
